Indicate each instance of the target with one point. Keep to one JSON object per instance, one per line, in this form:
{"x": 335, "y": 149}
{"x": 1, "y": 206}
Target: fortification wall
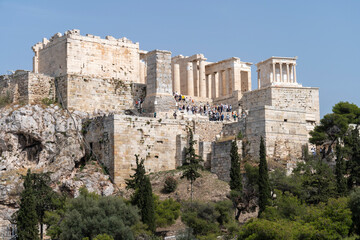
{"x": 220, "y": 160}
{"x": 89, "y": 94}
{"x": 26, "y": 87}
{"x": 117, "y": 138}
{"x": 88, "y": 55}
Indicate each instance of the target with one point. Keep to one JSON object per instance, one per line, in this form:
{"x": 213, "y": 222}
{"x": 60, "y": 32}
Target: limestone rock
{"x": 45, "y": 139}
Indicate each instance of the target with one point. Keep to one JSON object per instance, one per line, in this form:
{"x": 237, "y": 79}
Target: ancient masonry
{"x": 106, "y": 77}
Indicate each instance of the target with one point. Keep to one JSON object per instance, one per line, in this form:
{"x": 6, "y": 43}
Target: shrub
{"x": 201, "y": 217}
{"x": 170, "y": 184}
{"x": 166, "y": 212}
{"x": 48, "y": 101}
{"x": 5, "y": 99}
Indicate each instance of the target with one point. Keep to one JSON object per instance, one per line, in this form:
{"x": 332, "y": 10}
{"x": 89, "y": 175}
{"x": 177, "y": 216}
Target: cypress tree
{"x": 192, "y": 163}
{"x": 26, "y": 218}
{"x": 235, "y": 174}
{"x": 143, "y": 199}
{"x": 43, "y": 195}
{"x": 340, "y": 171}
{"x": 264, "y": 185}
{"x": 138, "y": 176}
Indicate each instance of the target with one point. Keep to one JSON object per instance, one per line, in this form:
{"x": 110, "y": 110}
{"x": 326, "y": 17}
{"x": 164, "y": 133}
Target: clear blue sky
{"x": 325, "y": 35}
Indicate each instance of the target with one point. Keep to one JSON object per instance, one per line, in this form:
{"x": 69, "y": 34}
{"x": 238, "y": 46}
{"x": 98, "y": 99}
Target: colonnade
{"x": 195, "y": 77}
{"x": 290, "y": 73}
{"x": 220, "y": 83}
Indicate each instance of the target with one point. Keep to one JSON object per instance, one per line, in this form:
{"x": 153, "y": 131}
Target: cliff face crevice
{"x": 45, "y": 139}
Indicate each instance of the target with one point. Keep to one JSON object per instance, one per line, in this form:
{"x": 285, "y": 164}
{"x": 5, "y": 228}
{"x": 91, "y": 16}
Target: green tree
{"x": 352, "y": 142}
{"x": 103, "y": 237}
{"x": 354, "y": 204}
{"x": 340, "y": 171}
{"x": 136, "y": 179}
{"x": 143, "y": 199}
{"x": 191, "y": 165}
{"x": 235, "y": 174}
{"x": 90, "y": 215}
{"x": 142, "y": 196}
{"x": 348, "y": 110}
{"x": 43, "y": 196}
{"x": 317, "y": 180}
{"x": 264, "y": 185}
{"x": 26, "y": 217}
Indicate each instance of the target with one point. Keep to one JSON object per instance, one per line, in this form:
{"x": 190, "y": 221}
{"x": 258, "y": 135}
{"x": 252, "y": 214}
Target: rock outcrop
{"x": 45, "y": 139}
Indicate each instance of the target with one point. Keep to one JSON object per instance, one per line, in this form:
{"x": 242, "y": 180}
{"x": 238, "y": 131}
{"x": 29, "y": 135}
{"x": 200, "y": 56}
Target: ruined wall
{"x": 27, "y": 87}
{"x": 220, "y": 160}
{"x": 88, "y": 55}
{"x": 154, "y": 141}
{"x": 89, "y": 94}
{"x": 51, "y": 56}
{"x": 117, "y": 138}
{"x": 207, "y": 130}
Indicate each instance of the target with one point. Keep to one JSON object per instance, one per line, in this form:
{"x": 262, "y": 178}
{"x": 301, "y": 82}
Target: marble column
{"x": 287, "y": 73}
{"x": 274, "y": 75}
{"x": 258, "y": 78}
{"x": 177, "y": 78}
{"x": 196, "y": 78}
{"x": 190, "y": 79}
{"x": 294, "y": 73}
{"x": 202, "y": 78}
{"x": 227, "y": 82}
{"x": 216, "y": 85}
{"x": 221, "y": 84}
{"x": 209, "y": 86}
{"x": 281, "y": 74}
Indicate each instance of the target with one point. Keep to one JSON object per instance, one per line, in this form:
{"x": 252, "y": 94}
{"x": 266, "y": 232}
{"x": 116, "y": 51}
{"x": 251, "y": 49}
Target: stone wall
{"x": 27, "y": 87}
{"x": 89, "y": 94}
{"x": 88, "y": 55}
{"x": 207, "y": 130}
{"x": 220, "y": 160}
{"x": 160, "y": 143}
{"x": 283, "y": 116}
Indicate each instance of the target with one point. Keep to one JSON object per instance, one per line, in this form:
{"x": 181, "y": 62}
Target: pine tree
{"x": 192, "y": 163}
{"x": 340, "y": 171}
{"x": 26, "y": 218}
{"x": 264, "y": 185}
{"x": 235, "y": 174}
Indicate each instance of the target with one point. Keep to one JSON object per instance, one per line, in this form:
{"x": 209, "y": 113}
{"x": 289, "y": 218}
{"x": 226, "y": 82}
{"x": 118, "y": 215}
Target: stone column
{"x": 177, "y": 78}
{"x": 287, "y": 73}
{"x": 227, "y": 83}
{"x": 196, "y": 78}
{"x": 274, "y": 75}
{"x": 294, "y": 73}
{"x": 216, "y": 85}
{"x": 220, "y": 84}
{"x": 209, "y": 86}
{"x": 258, "y": 71}
{"x": 202, "y": 78}
{"x": 281, "y": 74}
{"x": 190, "y": 79}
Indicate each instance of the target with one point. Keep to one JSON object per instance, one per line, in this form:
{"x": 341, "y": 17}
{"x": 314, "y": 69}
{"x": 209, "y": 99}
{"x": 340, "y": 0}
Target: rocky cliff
{"x": 45, "y": 139}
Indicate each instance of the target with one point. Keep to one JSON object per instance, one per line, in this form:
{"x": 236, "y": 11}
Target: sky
{"x": 323, "y": 34}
